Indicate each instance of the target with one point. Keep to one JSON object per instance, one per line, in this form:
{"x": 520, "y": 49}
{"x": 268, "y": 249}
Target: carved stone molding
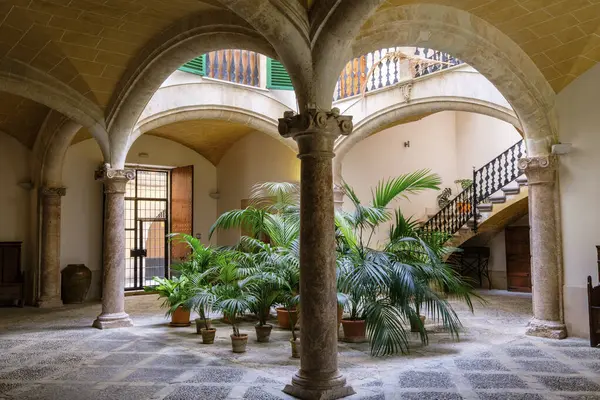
{"x": 314, "y": 130}
{"x": 115, "y": 180}
{"x": 53, "y": 191}
{"x": 539, "y": 170}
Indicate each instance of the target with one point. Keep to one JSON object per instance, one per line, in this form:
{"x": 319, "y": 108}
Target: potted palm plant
{"x": 177, "y": 293}
{"x": 388, "y": 287}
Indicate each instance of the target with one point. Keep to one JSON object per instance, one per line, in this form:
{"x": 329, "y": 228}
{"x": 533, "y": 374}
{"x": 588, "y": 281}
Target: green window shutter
{"x": 277, "y": 76}
{"x": 195, "y": 66}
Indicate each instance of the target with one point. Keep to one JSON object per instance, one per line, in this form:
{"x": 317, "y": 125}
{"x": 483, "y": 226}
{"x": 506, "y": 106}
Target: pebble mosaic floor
{"x": 56, "y": 355}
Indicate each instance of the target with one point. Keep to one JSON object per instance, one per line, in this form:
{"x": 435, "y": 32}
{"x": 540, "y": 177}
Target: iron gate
{"x": 146, "y": 222}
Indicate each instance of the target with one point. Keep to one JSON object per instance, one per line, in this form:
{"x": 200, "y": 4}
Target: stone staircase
{"x": 496, "y": 186}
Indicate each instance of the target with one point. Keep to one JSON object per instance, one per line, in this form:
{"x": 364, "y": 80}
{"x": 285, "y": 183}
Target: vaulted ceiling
{"x": 88, "y": 45}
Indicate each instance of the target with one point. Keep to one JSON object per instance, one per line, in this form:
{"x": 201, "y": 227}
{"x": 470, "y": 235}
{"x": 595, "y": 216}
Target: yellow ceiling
{"x": 210, "y": 138}
{"x": 85, "y": 43}
{"x": 21, "y": 118}
{"x": 562, "y": 37}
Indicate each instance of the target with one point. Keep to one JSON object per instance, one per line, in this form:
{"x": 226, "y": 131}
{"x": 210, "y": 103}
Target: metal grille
{"x": 146, "y": 218}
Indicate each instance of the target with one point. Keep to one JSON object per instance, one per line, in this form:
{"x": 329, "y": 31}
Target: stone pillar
{"x": 113, "y": 284}
{"x": 315, "y": 132}
{"x": 545, "y": 247}
{"x": 50, "y": 247}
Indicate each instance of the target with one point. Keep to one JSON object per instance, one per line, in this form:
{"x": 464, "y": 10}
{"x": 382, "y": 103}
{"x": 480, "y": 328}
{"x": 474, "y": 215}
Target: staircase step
{"x": 499, "y": 197}
{"x": 485, "y": 207}
{"x": 512, "y": 188}
{"x": 521, "y": 180}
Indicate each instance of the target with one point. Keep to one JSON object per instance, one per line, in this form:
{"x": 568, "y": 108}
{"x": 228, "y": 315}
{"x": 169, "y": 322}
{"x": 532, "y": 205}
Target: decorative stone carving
{"x": 115, "y": 180}
{"x": 53, "y": 191}
{"x": 315, "y": 131}
{"x": 539, "y": 170}
{"x": 338, "y": 197}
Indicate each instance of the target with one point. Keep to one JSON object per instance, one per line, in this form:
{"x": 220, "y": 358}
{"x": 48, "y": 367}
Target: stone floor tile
{"x": 418, "y": 379}
{"x": 217, "y": 375}
{"x": 122, "y": 359}
{"x": 126, "y": 392}
{"x": 428, "y": 396}
{"x": 57, "y": 392}
{"x": 7, "y": 387}
{"x": 33, "y": 373}
{"x": 545, "y": 366}
{"x": 144, "y": 346}
{"x": 480, "y": 365}
{"x": 90, "y": 374}
{"x": 162, "y": 375}
{"x": 257, "y": 393}
{"x": 101, "y": 345}
{"x": 581, "y": 397}
{"x": 8, "y": 344}
{"x": 527, "y": 352}
{"x": 199, "y": 393}
{"x": 177, "y": 361}
{"x": 569, "y": 384}
{"x": 495, "y": 381}
{"x": 583, "y": 353}
{"x": 509, "y": 396}
{"x": 12, "y": 359}
{"x": 69, "y": 358}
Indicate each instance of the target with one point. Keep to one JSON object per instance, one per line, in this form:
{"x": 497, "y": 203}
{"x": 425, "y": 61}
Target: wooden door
{"x": 518, "y": 259}
{"x": 182, "y": 208}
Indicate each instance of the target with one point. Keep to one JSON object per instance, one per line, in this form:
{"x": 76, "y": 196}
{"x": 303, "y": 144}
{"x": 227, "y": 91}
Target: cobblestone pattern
{"x": 48, "y": 355}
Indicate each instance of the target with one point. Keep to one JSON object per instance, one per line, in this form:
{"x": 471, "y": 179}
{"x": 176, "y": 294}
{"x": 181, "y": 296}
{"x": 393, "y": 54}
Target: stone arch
{"x": 50, "y": 148}
{"x": 479, "y": 44}
{"x": 185, "y": 40}
{"x": 389, "y": 116}
{"x": 222, "y": 113}
{"x": 40, "y": 87}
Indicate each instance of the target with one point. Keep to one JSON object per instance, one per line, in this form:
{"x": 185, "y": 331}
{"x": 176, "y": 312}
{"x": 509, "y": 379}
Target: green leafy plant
{"x": 390, "y": 287}
{"x": 464, "y": 183}
{"x": 177, "y": 292}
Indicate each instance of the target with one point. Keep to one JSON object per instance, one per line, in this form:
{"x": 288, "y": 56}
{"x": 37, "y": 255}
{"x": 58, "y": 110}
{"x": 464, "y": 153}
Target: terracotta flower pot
{"x": 414, "y": 327}
{"x": 263, "y": 332}
{"x": 283, "y": 317}
{"x": 238, "y": 343}
{"x": 181, "y": 317}
{"x": 200, "y": 324}
{"x": 354, "y": 331}
{"x": 208, "y": 335}
{"x": 295, "y": 347}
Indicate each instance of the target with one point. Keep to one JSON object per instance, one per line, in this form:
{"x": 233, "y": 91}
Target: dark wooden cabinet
{"x": 11, "y": 277}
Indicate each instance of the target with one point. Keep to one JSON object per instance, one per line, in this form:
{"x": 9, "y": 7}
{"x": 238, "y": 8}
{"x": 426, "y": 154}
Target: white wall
{"x": 578, "y": 110}
{"x": 480, "y": 139}
{"x": 15, "y": 205}
{"x": 81, "y": 241}
{"x": 448, "y": 143}
{"x": 253, "y": 159}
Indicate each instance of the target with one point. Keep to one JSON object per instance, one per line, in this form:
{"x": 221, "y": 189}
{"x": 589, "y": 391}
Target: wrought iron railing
{"x": 487, "y": 180}
{"x": 237, "y": 66}
{"x": 387, "y": 67}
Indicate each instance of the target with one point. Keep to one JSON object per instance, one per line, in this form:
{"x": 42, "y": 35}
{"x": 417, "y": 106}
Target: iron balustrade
{"x": 386, "y": 67}
{"x": 487, "y": 180}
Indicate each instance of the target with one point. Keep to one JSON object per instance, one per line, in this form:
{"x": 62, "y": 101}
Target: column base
{"x": 109, "y": 321}
{"x": 52, "y": 302}
{"x": 546, "y": 329}
{"x": 316, "y": 389}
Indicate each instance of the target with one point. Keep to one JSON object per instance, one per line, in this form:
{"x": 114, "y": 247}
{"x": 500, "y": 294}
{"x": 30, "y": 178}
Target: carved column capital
{"x": 539, "y": 170}
{"x": 46, "y": 191}
{"x": 115, "y": 180}
{"x": 315, "y": 130}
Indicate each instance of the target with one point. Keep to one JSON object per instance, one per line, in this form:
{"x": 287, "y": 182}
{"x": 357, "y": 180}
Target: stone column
{"x": 315, "y": 132}
{"x": 50, "y": 247}
{"x": 113, "y": 284}
{"x": 545, "y": 247}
